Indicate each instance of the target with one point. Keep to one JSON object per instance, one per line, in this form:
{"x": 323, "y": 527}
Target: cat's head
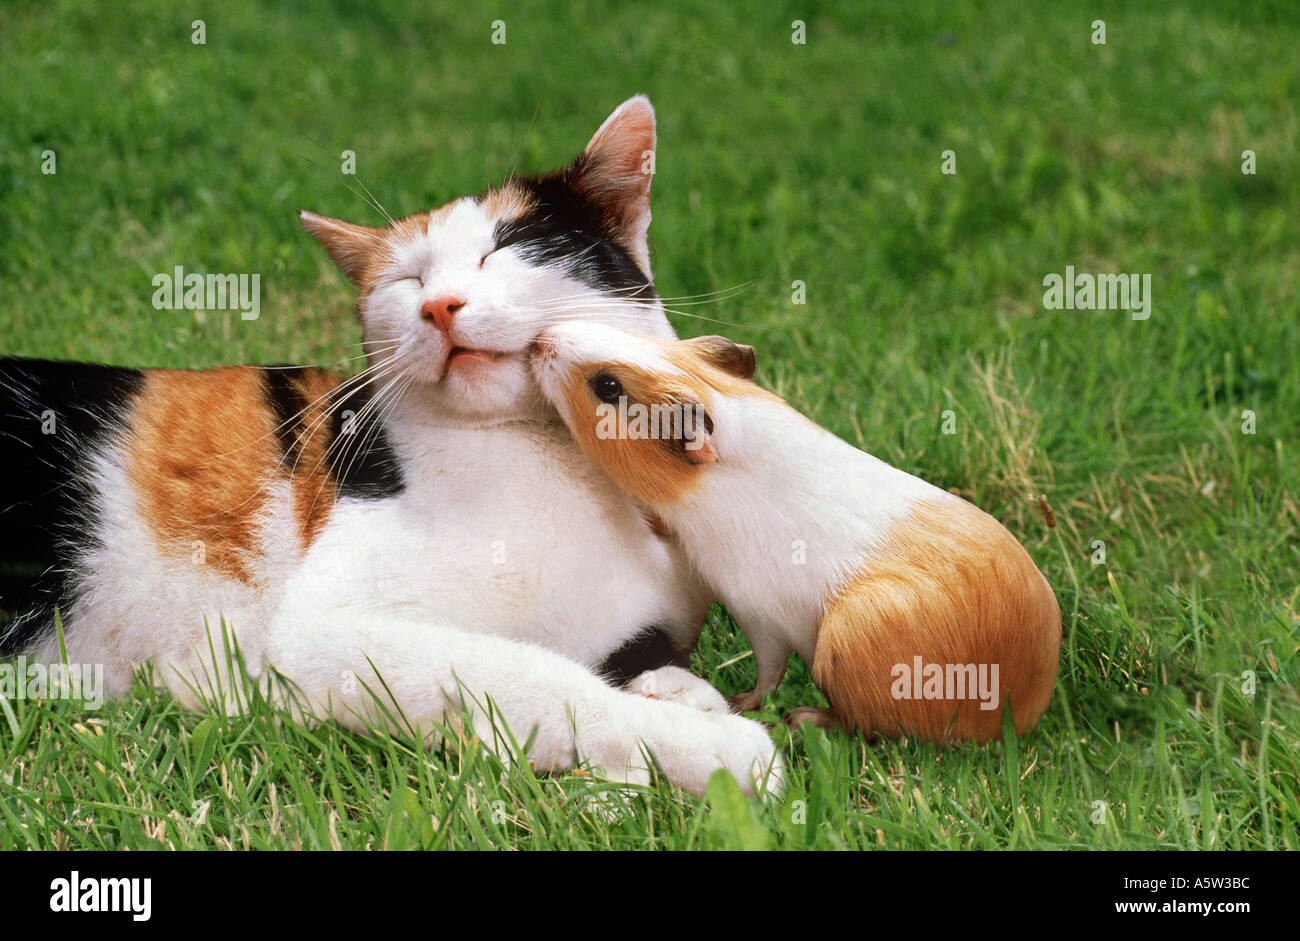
{"x": 451, "y": 299}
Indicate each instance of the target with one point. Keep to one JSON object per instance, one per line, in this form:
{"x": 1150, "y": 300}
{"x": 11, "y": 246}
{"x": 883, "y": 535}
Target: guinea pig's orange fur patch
{"x": 647, "y": 468}
{"x": 650, "y": 470}
{"x": 203, "y": 449}
{"x": 949, "y": 584}
{"x": 694, "y": 358}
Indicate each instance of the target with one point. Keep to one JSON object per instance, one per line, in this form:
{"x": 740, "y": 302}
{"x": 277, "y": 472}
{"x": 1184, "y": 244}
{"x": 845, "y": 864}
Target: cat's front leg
{"x": 356, "y": 665}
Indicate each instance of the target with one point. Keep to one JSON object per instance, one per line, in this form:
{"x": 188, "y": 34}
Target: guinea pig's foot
{"x": 746, "y": 702}
{"x": 822, "y": 718}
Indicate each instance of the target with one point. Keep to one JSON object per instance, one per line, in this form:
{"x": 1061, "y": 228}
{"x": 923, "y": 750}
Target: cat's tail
{"x": 53, "y": 417}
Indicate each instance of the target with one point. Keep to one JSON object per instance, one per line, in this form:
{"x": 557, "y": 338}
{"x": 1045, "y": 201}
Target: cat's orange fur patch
{"x": 649, "y": 468}
{"x": 314, "y": 487}
{"x": 201, "y": 450}
{"x": 359, "y": 251}
{"x": 949, "y": 585}
{"x": 508, "y": 203}
{"x": 204, "y": 448}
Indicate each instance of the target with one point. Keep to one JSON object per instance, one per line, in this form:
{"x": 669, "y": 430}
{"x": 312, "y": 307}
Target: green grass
{"x": 818, "y": 163}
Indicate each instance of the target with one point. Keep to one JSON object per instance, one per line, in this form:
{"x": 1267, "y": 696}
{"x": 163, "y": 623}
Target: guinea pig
{"x": 920, "y": 614}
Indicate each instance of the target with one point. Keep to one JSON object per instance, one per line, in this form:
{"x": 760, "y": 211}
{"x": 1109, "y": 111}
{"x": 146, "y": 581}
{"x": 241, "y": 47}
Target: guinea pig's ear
{"x": 693, "y": 441}
{"x": 729, "y": 356}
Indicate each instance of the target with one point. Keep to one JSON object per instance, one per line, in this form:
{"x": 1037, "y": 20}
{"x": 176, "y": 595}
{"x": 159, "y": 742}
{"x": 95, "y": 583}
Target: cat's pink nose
{"x": 441, "y": 310}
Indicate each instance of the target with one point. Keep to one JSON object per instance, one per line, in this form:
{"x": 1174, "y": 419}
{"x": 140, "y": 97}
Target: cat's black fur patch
{"x": 568, "y": 230}
{"x": 361, "y": 458}
{"x": 648, "y": 650}
{"x": 47, "y": 514}
{"x": 287, "y": 403}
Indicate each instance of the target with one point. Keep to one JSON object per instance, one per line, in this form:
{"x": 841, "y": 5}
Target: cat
{"x": 429, "y": 519}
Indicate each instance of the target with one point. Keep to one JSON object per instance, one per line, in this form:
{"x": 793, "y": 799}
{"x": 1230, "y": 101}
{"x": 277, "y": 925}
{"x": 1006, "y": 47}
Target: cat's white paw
{"x": 690, "y": 746}
{"x": 674, "y": 684}
{"x": 765, "y": 765}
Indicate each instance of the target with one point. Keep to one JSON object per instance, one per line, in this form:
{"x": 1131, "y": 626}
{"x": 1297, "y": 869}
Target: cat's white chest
{"x": 508, "y": 531}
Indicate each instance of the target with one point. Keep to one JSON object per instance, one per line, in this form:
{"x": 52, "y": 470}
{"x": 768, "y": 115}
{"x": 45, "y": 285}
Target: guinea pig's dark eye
{"x": 606, "y": 387}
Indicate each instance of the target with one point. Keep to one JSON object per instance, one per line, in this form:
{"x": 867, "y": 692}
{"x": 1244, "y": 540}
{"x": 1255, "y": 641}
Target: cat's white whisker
{"x": 384, "y": 370}
{"x": 342, "y": 386}
{"x": 302, "y": 440}
{"x": 373, "y": 200}
{"x": 342, "y": 390}
{"x": 365, "y": 197}
{"x": 381, "y": 401}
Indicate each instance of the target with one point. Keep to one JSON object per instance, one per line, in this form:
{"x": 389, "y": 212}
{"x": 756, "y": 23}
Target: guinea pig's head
{"x": 649, "y": 411}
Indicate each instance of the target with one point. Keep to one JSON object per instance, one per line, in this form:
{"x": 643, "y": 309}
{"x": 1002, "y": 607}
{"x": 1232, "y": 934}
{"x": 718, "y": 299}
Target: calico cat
{"x": 430, "y": 519}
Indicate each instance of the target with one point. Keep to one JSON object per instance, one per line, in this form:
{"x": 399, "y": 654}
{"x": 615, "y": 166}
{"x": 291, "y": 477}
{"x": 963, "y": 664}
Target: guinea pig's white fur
{"x": 919, "y": 613}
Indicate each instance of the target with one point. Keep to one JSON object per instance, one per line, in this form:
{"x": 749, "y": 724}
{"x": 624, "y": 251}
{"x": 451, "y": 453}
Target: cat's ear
{"x": 352, "y": 247}
{"x": 615, "y": 171}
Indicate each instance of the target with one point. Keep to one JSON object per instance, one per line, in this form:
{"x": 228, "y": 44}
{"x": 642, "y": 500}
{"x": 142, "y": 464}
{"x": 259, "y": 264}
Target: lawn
{"x": 1148, "y": 465}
